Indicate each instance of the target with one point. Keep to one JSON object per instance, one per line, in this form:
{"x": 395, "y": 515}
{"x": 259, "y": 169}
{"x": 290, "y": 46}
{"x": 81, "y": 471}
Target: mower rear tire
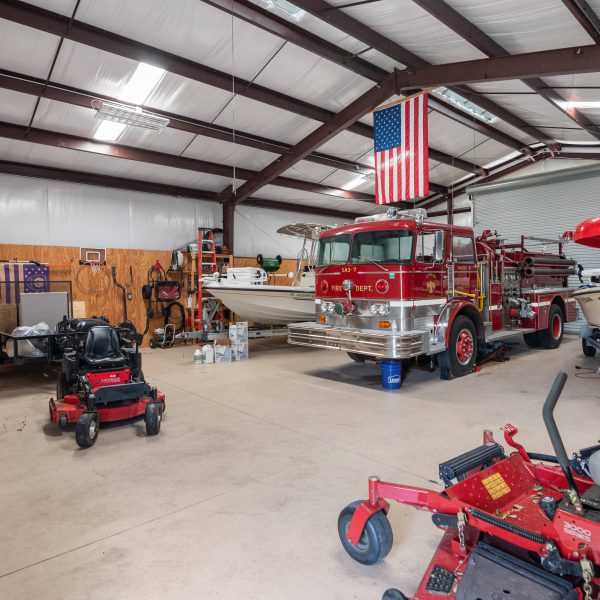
{"x": 393, "y": 594}
{"x": 376, "y": 540}
{"x": 459, "y": 357}
{"x": 357, "y": 358}
{"x": 154, "y": 412}
{"x": 62, "y": 387}
{"x": 551, "y": 337}
{"x": 86, "y": 430}
{"x": 587, "y": 349}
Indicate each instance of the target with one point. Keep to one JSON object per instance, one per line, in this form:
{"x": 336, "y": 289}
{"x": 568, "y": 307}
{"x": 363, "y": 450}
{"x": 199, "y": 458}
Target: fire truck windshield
{"x": 334, "y": 250}
{"x": 380, "y": 247}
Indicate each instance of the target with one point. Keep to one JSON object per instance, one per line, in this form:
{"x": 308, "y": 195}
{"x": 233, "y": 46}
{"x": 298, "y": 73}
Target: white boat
{"x": 246, "y": 291}
{"x": 588, "y": 298}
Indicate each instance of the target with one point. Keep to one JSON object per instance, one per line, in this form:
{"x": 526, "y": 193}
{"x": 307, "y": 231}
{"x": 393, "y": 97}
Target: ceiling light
{"x": 131, "y": 115}
{"x": 285, "y": 8}
{"x": 141, "y": 84}
{"x": 566, "y": 104}
{"x": 353, "y": 183}
{"x": 465, "y": 105}
{"x": 109, "y": 131}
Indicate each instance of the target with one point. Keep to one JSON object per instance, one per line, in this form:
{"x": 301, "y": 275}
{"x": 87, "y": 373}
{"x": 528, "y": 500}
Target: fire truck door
{"x": 465, "y": 267}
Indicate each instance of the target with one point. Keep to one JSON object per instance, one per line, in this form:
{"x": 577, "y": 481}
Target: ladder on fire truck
{"x": 211, "y": 313}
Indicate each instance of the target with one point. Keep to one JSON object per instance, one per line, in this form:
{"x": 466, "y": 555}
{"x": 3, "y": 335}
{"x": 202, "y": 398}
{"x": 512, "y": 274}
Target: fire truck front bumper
{"x": 370, "y": 342}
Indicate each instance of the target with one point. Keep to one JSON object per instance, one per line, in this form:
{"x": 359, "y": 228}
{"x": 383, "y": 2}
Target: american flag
{"x": 401, "y": 151}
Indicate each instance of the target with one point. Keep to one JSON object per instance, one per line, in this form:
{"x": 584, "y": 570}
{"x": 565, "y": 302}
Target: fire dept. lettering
{"x": 357, "y": 288}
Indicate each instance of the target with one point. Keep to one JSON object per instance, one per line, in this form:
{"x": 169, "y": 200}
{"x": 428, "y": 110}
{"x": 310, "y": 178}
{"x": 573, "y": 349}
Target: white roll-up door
{"x": 544, "y": 205}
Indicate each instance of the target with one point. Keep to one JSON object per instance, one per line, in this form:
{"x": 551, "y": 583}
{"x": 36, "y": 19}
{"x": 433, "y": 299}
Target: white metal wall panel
{"x": 543, "y": 205}
{"x": 255, "y": 231}
{"x": 37, "y": 211}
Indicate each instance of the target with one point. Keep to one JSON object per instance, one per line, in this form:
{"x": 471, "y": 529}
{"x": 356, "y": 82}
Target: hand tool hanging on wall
{"x": 125, "y": 323}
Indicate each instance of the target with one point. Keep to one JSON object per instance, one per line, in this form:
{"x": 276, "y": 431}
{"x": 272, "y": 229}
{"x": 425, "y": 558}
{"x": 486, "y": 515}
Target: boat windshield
{"x": 382, "y": 247}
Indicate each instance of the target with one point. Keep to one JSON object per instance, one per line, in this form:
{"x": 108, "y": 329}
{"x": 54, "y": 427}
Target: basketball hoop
{"x": 95, "y": 267}
{"x": 92, "y": 260}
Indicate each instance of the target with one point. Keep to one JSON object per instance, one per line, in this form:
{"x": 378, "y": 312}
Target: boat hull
{"x": 589, "y": 301}
{"x": 266, "y": 304}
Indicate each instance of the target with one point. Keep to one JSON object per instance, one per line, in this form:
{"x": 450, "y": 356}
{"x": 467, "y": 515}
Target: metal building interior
{"x": 186, "y": 182}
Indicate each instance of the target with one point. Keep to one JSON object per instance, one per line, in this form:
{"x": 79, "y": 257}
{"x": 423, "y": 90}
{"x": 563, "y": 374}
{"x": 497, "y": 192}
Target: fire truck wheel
{"x": 532, "y": 339}
{"x": 153, "y": 417}
{"x": 86, "y": 430}
{"x": 393, "y": 594}
{"x": 359, "y": 358}
{"x": 551, "y": 337}
{"x": 375, "y": 541}
{"x": 459, "y": 358}
{"x": 587, "y": 349}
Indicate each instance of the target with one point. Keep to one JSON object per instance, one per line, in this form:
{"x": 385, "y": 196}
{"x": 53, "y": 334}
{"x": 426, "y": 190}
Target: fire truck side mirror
{"x": 439, "y": 246}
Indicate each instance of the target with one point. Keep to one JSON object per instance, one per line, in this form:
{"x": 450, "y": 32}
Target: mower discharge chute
{"x": 102, "y": 381}
{"x": 513, "y": 529}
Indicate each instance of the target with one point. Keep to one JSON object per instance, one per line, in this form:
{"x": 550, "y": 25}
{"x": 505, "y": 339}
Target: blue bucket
{"x": 391, "y": 374}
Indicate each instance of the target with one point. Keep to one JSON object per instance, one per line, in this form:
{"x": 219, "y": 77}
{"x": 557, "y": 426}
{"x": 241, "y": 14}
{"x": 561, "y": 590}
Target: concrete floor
{"x": 238, "y": 496}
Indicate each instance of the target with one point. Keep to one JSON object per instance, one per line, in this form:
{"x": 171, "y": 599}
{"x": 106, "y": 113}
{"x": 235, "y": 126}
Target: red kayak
{"x": 588, "y": 232}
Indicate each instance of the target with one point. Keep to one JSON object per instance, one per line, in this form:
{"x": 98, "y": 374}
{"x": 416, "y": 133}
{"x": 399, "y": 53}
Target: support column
{"x": 228, "y": 220}
{"x": 450, "y": 209}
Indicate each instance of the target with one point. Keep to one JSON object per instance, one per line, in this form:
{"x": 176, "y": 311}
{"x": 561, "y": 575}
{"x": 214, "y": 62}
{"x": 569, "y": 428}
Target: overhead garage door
{"x": 543, "y": 205}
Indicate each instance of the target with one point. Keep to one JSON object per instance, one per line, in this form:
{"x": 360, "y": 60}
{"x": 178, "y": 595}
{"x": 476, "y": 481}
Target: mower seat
{"x": 102, "y": 348}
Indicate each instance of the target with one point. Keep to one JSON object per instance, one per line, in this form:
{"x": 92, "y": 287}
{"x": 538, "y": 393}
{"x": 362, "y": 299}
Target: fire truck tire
{"x": 393, "y": 594}
{"x": 532, "y": 339}
{"x": 86, "y": 430}
{"x": 587, "y": 349}
{"x": 459, "y": 358}
{"x": 358, "y": 358}
{"x": 376, "y": 540}
{"x": 153, "y": 417}
{"x": 551, "y": 337}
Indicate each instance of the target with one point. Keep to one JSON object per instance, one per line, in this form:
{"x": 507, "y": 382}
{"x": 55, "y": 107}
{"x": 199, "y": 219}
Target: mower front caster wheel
{"x": 86, "y": 430}
{"x": 154, "y": 411}
{"x": 393, "y": 594}
{"x": 375, "y": 541}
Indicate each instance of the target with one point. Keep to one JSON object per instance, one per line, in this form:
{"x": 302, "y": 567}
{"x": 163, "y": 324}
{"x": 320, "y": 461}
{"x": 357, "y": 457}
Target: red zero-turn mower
{"x": 513, "y": 529}
{"x": 102, "y": 382}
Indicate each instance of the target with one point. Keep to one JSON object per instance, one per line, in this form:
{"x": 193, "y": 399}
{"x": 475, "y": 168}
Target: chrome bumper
{"x": 371, "y": 342}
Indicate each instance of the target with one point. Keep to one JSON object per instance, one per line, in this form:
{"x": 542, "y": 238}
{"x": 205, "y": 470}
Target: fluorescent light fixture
{"x": 131, "y": 115}
{"x": 465, "y": 105}
{"x": 109, "y": 131}
{"x": 141, "y": 84}
{"x": 566, "y": 104}
{"x": 284, "y": 8}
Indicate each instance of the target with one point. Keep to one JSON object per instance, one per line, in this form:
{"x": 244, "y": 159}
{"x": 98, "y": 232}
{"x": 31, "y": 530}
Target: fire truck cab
{"x": 396, "y": 286}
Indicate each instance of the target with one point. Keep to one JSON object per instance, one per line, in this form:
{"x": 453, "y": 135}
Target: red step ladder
{"x": 206, "y": 269}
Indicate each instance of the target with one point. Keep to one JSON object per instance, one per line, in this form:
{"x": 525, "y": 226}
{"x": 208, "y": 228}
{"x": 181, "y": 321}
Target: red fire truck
{"x": 397, "y": 286}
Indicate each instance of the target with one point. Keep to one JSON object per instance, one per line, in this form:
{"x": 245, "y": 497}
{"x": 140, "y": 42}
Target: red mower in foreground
{"x": 513, "y": 529}
{"x": 102, "y": 382}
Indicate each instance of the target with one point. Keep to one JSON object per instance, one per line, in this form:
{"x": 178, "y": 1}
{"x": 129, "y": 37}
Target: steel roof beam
{"x": 354, "y": 111}
{"x": 545, "y": 63}
{"x": 359, "y": 31}
{"x": 586, "y": 17}
{"x": 69, "y": 95}
{"x": 136, "y": 185}
{"x": 484, "y": 43}
{"x": 56, "y": 24}
{"x": 63, "y": 140}
{"x": 266, "y": 20}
